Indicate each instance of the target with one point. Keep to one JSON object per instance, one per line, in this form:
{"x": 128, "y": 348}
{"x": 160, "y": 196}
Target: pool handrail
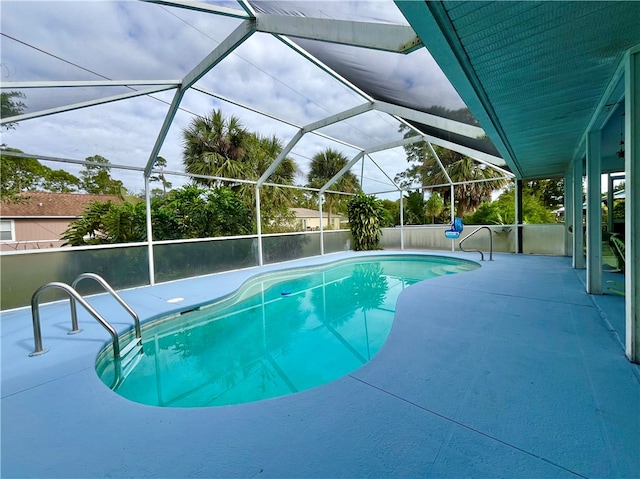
{"x": 101, "y": 281}
{"x": 35, "y": 312}
{"x": 472, "y": 250}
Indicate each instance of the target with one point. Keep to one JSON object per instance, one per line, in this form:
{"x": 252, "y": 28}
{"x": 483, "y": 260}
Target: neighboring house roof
{"x": 44, "y": 204}
{"x": 307, "y": 213}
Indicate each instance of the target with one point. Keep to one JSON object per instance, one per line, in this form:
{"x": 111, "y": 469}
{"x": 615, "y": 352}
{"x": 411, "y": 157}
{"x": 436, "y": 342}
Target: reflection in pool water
{"x": 261, "y": 343}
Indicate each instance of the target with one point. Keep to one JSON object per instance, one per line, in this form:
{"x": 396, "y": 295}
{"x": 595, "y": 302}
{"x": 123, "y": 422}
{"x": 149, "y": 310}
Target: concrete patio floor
{"x": 510, "y": 370}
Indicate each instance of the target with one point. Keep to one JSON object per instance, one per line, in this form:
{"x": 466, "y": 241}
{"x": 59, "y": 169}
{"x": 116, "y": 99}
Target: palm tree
{"x": 161, "y": 164}
{"x": 469, "y": 196}
{"x": 223, "y": 147}
{"x": 215, "y": 146}
{"x": 434, "y": 206}
{"x": 425, "y": 170}
{"x": 324, "y": 166}
{"x": 275, "y": 200}
{"x": 261, "y": 154}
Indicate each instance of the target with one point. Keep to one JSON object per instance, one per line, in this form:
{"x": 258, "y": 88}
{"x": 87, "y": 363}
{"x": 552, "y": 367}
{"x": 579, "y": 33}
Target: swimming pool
{"x": 280, "y": 333}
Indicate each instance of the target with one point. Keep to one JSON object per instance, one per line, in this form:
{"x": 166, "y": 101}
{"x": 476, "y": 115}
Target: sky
{"x": 133, "y": 40}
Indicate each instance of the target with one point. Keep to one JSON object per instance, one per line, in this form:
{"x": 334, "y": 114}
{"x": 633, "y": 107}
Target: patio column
{"x": 519, "y": 216}
{"x": 609, "y": 203}
{"x": 594, "y": 212}
{"x": 568, "y": 212}
{"x": 259, "y": 226}
{"x": 578, "y": 233}
{"x": 632, "y": 204}
{"x": 453, "y": 215}
{"x": 147, "y": 199}
{"x": 320, "y": 201}
{"x": 401, "y": 219}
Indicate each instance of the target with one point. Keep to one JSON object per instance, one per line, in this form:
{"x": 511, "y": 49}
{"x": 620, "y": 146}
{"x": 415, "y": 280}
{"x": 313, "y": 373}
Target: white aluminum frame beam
{"x": 479, "y": 156}
{"x": 273, "y": 117}
{"x": 86, "y": 84}
{"x": 376, "y": 36}
{"x": 283, "y": 154}
{"x": 344, "y": 169}
{"x": 224, "y": 48}
{"x": 442, "y": 168}
{"x": 351, "y": 112}
{"x": 384, "y": 173}
{"x": 84, "y": 104}
{"x": 38, "y": 157}
{"x": 202, "y": 7}
{"x": 439, "y": 122}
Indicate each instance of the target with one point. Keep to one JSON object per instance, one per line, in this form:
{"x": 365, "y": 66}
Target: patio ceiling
{"x": 535, "y": 74}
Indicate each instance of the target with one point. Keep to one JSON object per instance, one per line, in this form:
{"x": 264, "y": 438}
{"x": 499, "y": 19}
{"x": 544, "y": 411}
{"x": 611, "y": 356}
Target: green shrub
{"x": 366, "y": 214}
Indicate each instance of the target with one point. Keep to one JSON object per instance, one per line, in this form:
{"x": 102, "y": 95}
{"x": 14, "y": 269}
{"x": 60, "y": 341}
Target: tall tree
{"x": 215, "y": 146}
{"x": 187, "y": 212}
{"x": 550, "y": 192}
{"x": 414, "y": 211}
{"x": 502, "y": 210}
{"x": 161, "y": 164}
{"x": 96, "y": 179}
{"x": 275, "y": 200}
{"x": 324, "y": 166}
{"x": 223, "y": 147}
{"x": 19, "y": 174}
{"x": 60, "y": 181}
{"x": 434, "y": 206}
{"x": 481, "y": 182}
{"x": 424, "y": 170}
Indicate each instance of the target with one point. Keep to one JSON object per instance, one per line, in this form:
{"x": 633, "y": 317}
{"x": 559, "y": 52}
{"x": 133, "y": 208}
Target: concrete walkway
{"x": 510, "y": 370}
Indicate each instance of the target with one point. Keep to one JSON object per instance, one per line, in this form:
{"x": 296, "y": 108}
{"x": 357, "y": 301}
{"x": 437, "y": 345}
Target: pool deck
{"x": 510, "y": 370}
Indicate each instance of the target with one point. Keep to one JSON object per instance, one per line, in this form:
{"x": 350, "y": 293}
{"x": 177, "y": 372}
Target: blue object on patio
{"x": 456, "y": 229}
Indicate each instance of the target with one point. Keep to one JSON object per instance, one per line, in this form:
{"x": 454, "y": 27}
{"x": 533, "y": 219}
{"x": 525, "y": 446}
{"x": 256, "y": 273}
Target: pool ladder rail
{"x": 477, "y": 250}
{"x": 125, "y": 358}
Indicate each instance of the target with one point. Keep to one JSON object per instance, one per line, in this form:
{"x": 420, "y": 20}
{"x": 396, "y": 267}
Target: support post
{"x": 147, "y": 199}
{"x": 401, "y": 220}
{"x": 594, "y": 212}
{"x": 632, "y": 204}
{"x": 320, "y": 201}
{"x": 568, "y": 213}
{"x": 578, "y": 232}
{"x": 259, "y": 226}
{"x": 453, "y": 215}
{"x": 519, "y": 216}
{"x": 609, "y": 203}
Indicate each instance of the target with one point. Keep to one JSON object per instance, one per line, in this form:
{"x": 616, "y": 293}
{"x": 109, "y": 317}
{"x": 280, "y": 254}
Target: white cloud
{"x": 139, "y": 40}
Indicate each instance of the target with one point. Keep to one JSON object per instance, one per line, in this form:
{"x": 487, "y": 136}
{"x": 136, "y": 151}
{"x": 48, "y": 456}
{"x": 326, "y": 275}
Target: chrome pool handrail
{"x": 101, "y": 281}
{"x": 35, "y": 312}
{"x": 472, "y": 250}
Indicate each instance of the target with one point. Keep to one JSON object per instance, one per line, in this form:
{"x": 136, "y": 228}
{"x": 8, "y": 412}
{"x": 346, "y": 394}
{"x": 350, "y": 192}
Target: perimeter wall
{"x": 127, "y": 266}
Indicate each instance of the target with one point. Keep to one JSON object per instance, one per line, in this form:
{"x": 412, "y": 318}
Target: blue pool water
{"x": 279, "y": 334}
